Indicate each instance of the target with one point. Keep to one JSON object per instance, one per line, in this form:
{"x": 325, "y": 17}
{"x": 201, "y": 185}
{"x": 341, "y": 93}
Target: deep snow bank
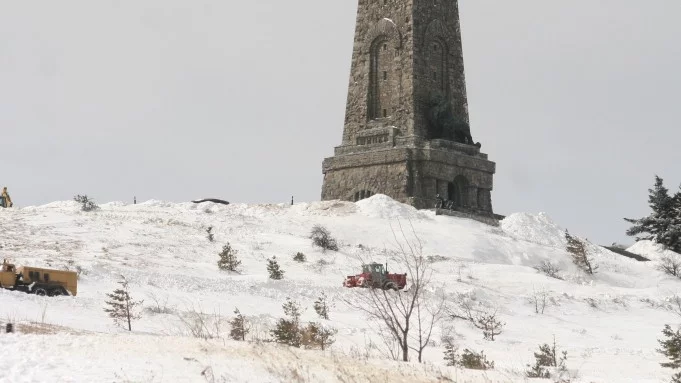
{"x": 537, "y": 228}
{"x": 651, "y": 250}
{"x": 382, "y": 206}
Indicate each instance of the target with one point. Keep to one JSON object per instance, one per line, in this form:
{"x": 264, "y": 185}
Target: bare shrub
{"x": 670, "y": 265}
{"x": 406, "y": 318}
{"x": 436, "y": 258}
{"x": 160, "y": 305}
{"x": 201, "y": 325}
{"x": 549, "y": 269}
{"x": 540, "y": 300}
{"x": 592, "y": 303}
{"x": 321, "y": 237}
{"x": 675, "y": 303}
{"x": 482, "y": 318}
{"x": 321, "y": 265}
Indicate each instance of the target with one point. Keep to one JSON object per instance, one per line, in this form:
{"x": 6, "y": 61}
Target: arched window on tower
{"x": 381, "y": 73}
{"x": 437, "y": 65}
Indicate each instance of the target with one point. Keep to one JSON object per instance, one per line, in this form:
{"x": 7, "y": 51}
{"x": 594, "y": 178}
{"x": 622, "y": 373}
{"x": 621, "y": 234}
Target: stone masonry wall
{"x": 388, "y": 179}
{"x": 390, "y": 20}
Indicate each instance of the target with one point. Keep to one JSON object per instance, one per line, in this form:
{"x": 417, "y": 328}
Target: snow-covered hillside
{"x": 609, "y": 323}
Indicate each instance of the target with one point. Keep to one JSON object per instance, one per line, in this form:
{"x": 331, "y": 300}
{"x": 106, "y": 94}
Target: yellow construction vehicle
{"x": 39, "y": 281}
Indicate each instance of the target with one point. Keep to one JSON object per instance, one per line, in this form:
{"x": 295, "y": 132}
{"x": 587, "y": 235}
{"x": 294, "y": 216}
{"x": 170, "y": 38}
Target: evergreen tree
{"x": 273, "y": 269}
{"x": 228, "y": 260}
{"x": 451, "y": 354}
{"x": 671, "y": 348}
{"x": 299, "y": 257}
{"x": 577, "y": 248}
{"x": 238, "y": 326}
{"x": 674, "y": 235}
{"x": 122, "y": 308}
{"x": 322, "y": 307}
{"x": 210, "y": 235}
{"x": 546, "y": 361}
{"x": 475, "y": 361}
{"x": 663, "y": 225}
{"x": 87, "y": 203}
{"x": 287, "y": 330}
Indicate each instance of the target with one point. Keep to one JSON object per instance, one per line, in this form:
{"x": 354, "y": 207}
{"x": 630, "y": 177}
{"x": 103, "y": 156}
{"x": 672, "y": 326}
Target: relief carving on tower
{"x": 445, "y": 118}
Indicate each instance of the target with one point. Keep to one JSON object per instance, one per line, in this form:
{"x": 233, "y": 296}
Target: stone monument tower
{"x": 407, "y": 133}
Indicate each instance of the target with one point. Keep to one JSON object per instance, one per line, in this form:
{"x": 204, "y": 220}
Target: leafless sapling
{"x": 409, "y": 316}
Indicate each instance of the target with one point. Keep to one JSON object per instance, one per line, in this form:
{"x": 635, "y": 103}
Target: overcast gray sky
{"x": 577, "y": 102}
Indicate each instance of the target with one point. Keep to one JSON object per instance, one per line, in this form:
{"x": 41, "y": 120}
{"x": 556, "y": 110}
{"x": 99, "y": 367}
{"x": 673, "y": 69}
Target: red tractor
{"x": 374, "y": 275}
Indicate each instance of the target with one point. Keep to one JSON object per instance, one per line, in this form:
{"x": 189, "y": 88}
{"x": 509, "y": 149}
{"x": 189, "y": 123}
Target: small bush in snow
{"x": 321, "y": 237}
{"x": 228, "y": 260}
{"x": 239, "y": 327}
{"x": 671, "y": 348}
{"x": 547, "y": 363}
{"x": 201, "y": 325}
{"x": 489, "y": 324}
{"x": 451, "y": 353}
{"x": 475, "y": 361}
{"x": 209, "y": 233}
{"x": 484, "y": 319}
{"x": 287, "y": 330}
{"x": 670, "y": 265}
{"x": 299, "y": 257}
{"x": 160, "y": 305}
{"x": 549, "y": 269}
{"x": 275, "y": 272}
{"x": 316, "y": 335}
{"x": 322, "y": 307}
{"x": 577, "y": 248}
{"x": 122, "y": 308}
{"x": 87, "y": 204}
{"x": 436, "y": 258}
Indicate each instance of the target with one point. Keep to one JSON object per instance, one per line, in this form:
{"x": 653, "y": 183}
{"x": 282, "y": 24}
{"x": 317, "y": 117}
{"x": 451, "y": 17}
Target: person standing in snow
{"x": 5, "y": 200}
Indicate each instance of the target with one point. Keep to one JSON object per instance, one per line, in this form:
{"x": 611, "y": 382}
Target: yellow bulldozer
{"x": 39, "y": 281}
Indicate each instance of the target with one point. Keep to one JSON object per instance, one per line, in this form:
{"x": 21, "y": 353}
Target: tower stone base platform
{"x": 413, "y": 174}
